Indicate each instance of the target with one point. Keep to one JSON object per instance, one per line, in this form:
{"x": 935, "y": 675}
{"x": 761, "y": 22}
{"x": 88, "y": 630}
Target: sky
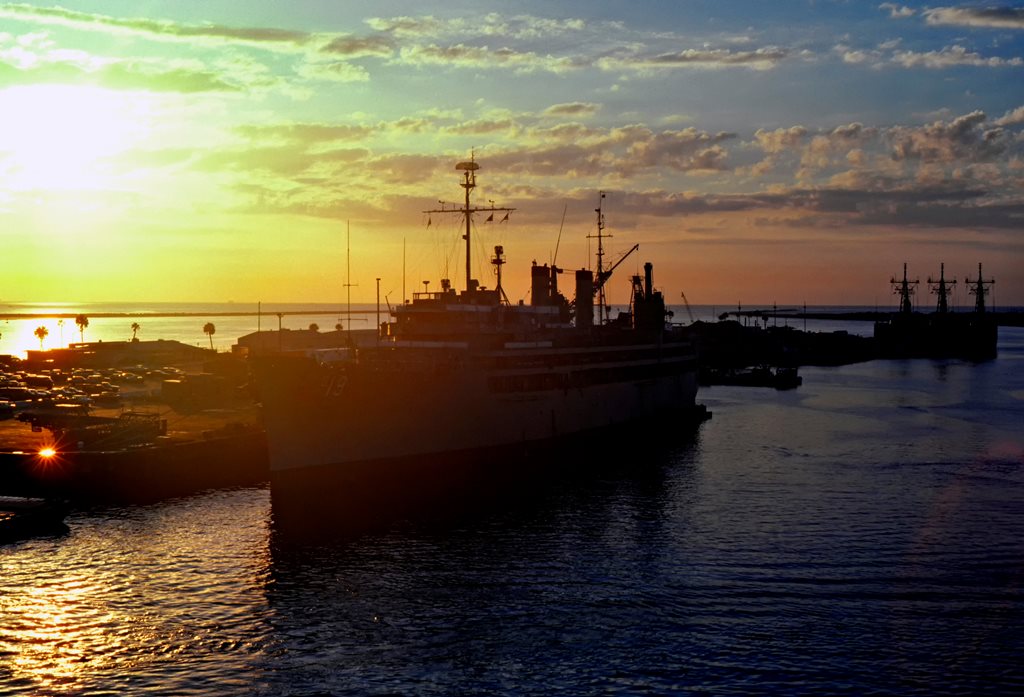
{"x": 788, "y": 152}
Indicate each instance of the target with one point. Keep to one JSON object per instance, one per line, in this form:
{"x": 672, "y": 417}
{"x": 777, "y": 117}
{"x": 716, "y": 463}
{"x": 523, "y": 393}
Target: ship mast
{"x": 979, "y": 290}
{"x": 468, "y": 170}
{"x": 905, "y": 289}
{"x": 601, "y": 309}
{"x": 942, "y": 288}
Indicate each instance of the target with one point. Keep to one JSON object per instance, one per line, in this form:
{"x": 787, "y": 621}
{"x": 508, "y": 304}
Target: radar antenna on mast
{"x": 498, "y": 260}
{"x": 943, "y": 289}
{"x": 602, "y": 309}
{"x": 904, "y": 289}
{"x": 979, "y": 290}
{"x": 468, "y": 169}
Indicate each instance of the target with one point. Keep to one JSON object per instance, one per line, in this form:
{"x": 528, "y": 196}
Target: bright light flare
{"x": 65, "y": 137}
{"x": 47, "y": 453}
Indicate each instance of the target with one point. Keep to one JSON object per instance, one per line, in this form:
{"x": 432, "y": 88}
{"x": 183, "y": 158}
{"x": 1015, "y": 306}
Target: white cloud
{"x": 897, "y": 11}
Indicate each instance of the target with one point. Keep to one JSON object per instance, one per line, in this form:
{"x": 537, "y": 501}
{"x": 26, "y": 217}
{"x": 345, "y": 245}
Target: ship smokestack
{"x": 540, "y": 284}
{"x": 584, "y": 298}
{"x": 648, "y": 279}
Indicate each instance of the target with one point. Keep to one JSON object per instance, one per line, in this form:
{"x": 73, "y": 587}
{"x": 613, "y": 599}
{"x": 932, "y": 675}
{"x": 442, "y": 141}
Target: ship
{"x": 943, "y": 333}
{"x": 459, "y": 390}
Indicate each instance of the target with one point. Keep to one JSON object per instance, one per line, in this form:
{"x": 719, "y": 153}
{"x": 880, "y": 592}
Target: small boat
{"x": 22, "y": 518}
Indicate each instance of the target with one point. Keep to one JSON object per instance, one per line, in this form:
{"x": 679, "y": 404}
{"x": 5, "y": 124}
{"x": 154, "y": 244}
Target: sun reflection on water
{"x": 55, "y": 632}
{"x": 129, "y": 589}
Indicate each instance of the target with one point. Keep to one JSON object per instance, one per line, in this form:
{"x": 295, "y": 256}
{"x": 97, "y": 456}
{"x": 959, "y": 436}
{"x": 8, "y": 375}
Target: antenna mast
{"x": 468, "y": 170}
{"x": 905, "y": 289}
{"x": 979, "y": 290}
{"x": 348, "y": 277}
{"x": 942, "y": 288}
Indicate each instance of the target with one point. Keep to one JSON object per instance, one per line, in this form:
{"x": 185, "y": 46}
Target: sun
{"x": 66, "y": 138}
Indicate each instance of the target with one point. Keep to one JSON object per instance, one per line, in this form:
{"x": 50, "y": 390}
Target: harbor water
{"x": 862, "y": 534}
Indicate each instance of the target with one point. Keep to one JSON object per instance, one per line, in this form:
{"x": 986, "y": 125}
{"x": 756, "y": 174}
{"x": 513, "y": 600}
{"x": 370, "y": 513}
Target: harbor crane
{"x": 605, "y": 274}
{"x": 688, "y": 310}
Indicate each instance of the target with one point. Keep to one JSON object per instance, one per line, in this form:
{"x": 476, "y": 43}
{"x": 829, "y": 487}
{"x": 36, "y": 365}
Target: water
{"x": 863, "y": 534}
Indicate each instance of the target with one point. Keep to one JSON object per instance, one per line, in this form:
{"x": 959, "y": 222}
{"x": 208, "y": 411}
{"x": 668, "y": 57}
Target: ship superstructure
{"x": 459, "y": 383}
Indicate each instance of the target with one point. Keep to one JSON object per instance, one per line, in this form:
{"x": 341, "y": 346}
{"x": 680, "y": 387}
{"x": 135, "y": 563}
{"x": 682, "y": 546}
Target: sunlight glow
{"x": 47, "y": 453}
{"x": 66, "y": 138}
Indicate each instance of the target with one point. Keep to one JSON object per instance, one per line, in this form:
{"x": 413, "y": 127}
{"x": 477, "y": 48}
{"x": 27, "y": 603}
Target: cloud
{"x": 780, "y": 139}
{"x": 687, "y": 150}
{"x": 306, "y": 134}
{"x": 708, "y": 59}
{"x": 1011, "y": 118}
{"x": 426, "y": 26}
{"x": 483, "y": 57}
{"x": 879, "y": 202}
{"x": 154, "y": 76}
{"x": 844, "y": 141}
{"x": 857, "y": 57}
{"x": 992, "y": 17}
{"x": 947, "y": 57}
{"x": 574, "y": 109}
{"x": 951, "y": 56}
{"x": 160, "y": 29}
{"x": 359, "y": 46}
{"x": 333, "y": 71}
{"x": 520, "y": 27}
{"x": 962, "y": 139}
{"x": 896, "y": 11}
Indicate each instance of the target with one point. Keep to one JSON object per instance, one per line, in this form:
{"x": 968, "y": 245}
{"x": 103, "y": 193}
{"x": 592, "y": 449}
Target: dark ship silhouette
{"x": 461, "y": 387}
{"x": 943, "y": 333}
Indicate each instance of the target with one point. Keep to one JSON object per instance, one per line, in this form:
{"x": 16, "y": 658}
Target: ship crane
{"x": 688, "y": 310}
{"x": 603, "y": 276}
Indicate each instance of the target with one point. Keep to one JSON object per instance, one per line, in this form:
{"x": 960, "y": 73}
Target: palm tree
{"x": 135, "y": 330}
{"x": 41, "y": 333}
{"x": 210, "y": 330}
{"x": 82, "y": 321}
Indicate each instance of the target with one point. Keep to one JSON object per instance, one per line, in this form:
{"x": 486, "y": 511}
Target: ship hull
{"x": 384, "y": 443}
{"x": 344, "y": 499}
{"x": 968, "y": 336}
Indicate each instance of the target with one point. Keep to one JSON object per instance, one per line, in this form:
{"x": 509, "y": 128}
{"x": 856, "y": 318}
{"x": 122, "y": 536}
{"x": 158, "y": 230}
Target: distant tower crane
{"x": 688, "y": 310}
